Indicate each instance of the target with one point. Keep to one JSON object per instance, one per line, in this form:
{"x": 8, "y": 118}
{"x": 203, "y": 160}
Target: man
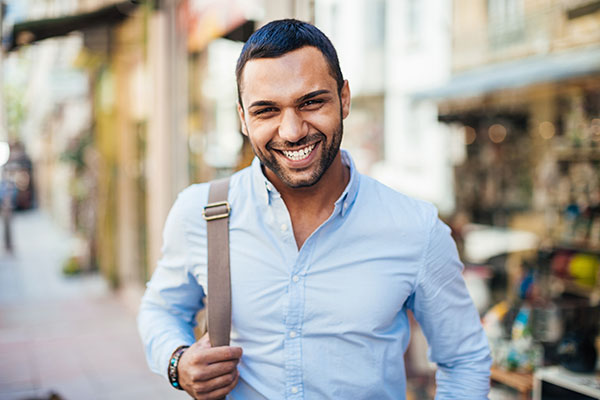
{"x": 324, "y": 261}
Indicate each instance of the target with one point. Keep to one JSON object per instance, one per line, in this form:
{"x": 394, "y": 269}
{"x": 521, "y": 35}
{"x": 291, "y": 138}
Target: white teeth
{"x": 299, "y": 154}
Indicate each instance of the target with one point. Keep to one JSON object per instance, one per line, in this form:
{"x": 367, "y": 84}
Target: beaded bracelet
{"x": 173, "y": 374}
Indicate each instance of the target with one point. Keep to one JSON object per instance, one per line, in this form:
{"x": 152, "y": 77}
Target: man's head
{"x": 292, "y": 103}
{"x": 282, "y": 36}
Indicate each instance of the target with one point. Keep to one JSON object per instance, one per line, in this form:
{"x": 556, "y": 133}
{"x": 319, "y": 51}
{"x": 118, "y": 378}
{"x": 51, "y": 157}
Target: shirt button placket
{"x": 293, "y": 336}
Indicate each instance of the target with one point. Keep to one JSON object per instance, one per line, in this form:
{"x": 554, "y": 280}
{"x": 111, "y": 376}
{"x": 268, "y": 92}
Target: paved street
{"x": 70, "y": 336}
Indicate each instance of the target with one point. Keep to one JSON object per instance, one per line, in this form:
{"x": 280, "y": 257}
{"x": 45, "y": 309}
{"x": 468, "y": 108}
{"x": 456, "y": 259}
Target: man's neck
{"x": 310, "y": 206}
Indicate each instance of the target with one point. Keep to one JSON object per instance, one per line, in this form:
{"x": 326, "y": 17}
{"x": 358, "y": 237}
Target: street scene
{"x": 65, "y": 337}
{"x": 486, "y": 110}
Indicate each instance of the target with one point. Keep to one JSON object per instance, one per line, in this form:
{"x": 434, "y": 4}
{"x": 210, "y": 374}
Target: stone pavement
{"x": 71, "y": 336}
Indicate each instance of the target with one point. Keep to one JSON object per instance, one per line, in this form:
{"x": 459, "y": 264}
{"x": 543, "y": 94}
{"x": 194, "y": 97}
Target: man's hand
{"x": 208, "y": 373}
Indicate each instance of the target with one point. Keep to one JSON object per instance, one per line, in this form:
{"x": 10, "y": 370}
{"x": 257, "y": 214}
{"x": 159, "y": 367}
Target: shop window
{"x": 506, "y": 22}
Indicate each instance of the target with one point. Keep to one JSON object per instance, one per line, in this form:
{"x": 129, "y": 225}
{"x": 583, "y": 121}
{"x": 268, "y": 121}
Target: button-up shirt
{"x": 328, "y": 320}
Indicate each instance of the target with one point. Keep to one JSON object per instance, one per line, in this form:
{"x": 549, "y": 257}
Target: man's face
{"x": 293, "y": 115}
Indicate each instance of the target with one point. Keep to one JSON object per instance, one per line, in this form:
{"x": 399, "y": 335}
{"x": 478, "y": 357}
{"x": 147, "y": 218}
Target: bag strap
{"x": 216, "y": 214}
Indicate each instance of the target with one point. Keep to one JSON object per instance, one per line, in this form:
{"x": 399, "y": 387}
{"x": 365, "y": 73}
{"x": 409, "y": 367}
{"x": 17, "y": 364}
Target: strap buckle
{"x": 218, "y": 215}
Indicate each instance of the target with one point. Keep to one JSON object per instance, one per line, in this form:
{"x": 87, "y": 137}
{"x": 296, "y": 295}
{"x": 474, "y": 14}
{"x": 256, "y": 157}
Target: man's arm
{"x": 450, "y": 322}
{"x": 173, "y": 297}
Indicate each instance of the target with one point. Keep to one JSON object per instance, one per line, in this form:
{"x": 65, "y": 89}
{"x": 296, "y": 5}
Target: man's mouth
{"x": 298, "y": 155}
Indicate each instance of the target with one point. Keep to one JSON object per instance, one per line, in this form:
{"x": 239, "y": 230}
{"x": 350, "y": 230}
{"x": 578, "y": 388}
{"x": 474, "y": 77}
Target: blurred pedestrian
{"x": 8, "y": 194}
{"x": 325, "y": 262}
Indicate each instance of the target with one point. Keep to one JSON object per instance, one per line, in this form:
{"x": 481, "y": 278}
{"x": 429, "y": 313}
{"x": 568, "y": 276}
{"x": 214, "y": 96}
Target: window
{"x": 506, "y": 22}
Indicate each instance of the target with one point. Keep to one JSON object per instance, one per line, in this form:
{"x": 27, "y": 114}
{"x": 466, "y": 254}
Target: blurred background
{"x": 490, "y": 109}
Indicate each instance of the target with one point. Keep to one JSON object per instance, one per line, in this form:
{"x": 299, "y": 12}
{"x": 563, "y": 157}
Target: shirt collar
{"x": 347, "y": 198}
{"x": 266, "y": 190}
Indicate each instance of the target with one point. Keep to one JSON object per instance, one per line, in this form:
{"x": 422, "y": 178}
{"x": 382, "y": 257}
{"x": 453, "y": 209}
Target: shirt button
{"x": 294, "y": 389}
{"x": 283, "y": 227}
{"x": 295, "y": 278}
{"x": 292, "y": 334}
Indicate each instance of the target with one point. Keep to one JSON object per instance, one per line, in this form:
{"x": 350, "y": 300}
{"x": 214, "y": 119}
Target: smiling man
{"x": 293, "y": 116}
{"x": 325, "y": 262}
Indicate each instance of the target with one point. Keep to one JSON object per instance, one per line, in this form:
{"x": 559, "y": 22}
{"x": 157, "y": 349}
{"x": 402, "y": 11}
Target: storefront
{"x": 528, "y": 195}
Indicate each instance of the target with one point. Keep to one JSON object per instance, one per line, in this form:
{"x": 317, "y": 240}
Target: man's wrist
{"x": 173, "y": 364}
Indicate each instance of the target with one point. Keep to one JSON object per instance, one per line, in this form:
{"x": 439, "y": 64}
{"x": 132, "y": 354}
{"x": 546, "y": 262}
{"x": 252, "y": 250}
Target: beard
{"x": 296, "y": 180}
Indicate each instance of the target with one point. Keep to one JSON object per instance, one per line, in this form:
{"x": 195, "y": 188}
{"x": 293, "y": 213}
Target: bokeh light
{"x": 470, "y": 135}
{"x": 547, "y": 130}
{"x": 497, "y": 133}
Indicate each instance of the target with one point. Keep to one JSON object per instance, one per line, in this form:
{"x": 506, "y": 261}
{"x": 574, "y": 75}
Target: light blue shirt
{"x": 327, "y": 321}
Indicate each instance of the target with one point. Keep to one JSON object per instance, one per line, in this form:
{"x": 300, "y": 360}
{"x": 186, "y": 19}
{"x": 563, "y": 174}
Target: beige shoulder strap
{"x": 216, "y": 214}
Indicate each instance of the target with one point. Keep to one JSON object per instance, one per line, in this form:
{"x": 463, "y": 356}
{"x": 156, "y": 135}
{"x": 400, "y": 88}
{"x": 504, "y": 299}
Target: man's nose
{"x": 292, "y": 127}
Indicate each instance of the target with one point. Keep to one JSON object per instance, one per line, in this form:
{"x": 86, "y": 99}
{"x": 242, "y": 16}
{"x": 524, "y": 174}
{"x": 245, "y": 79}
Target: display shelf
{"x": 570, "y": 286}
{"x": 586, "y": 384}
{"x": 576, "y": 246}
{"x": 521, "y": 382}
{"x": 577, "y": 154}
{"x": 564, "y": 285}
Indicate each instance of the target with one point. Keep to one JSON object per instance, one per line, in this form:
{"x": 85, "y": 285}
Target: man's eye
{"x": 265, "y": 111}
{"x": 311, "y": 104}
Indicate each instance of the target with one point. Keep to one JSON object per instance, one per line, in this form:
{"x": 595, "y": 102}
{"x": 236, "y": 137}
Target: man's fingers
{"x": 219, "y": 394}
{"x": 209, "y": 372}
{"x": 209, "y": 386}
{"x": 214, "y": 370}
{"x": 217, "y": 354}
{"x": 221, "y": 386}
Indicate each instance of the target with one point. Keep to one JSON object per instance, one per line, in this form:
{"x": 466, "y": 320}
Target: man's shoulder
{"x": 196, "y": 194}
{"x": 371, "y": 188}
{"x": 394, "y": 209}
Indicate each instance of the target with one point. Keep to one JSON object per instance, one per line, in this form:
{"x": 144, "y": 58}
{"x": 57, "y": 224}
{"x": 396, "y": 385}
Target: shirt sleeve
{"x": 173, "y": 295}
{"x": 450, "y": 322}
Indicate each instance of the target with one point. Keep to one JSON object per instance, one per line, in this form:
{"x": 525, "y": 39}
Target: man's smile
{"x": 300, "y": 154}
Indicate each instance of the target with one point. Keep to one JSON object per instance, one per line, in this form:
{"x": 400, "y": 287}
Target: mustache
{"x": 313, "y": 137}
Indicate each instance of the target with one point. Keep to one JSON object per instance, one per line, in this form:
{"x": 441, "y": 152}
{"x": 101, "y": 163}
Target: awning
{"x": 31, "y": 31}
{"x": 211, "y": 19}
{"x": 518, "y": 73}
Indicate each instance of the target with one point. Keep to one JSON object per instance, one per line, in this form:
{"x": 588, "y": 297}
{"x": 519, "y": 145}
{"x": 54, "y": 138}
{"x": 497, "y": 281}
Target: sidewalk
{"x": 70, "y": 336}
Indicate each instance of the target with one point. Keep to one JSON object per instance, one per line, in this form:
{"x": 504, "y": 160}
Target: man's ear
{"x": 345, "y": 99}
{"x": 240, "y": 111}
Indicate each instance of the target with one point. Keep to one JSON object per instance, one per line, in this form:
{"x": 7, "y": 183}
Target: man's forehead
{"x": 301, "y": 68}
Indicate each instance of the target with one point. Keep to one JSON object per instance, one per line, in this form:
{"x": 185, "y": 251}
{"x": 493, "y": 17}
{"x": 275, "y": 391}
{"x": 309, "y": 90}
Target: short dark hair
{"x": 282, "y": 36}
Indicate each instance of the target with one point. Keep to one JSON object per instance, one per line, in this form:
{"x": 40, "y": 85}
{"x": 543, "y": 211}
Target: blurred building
{"x": 136, "y": 100}
{"x": 93, "y": 128}
{"x": 524, "y": 99}
{"x": 525, "y": 96}
{"x": 126, "y": 103}
{"x": 389, "y": 50}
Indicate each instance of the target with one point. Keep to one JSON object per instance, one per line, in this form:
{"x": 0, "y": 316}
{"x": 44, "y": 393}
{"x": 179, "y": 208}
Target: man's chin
{"x": 295, "y": 180}
{"x": 301, "y": 184}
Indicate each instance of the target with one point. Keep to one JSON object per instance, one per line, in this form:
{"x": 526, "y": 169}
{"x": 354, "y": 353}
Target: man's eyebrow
{"x": 261, "y": 103}
{"x": 312, "y": 94}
